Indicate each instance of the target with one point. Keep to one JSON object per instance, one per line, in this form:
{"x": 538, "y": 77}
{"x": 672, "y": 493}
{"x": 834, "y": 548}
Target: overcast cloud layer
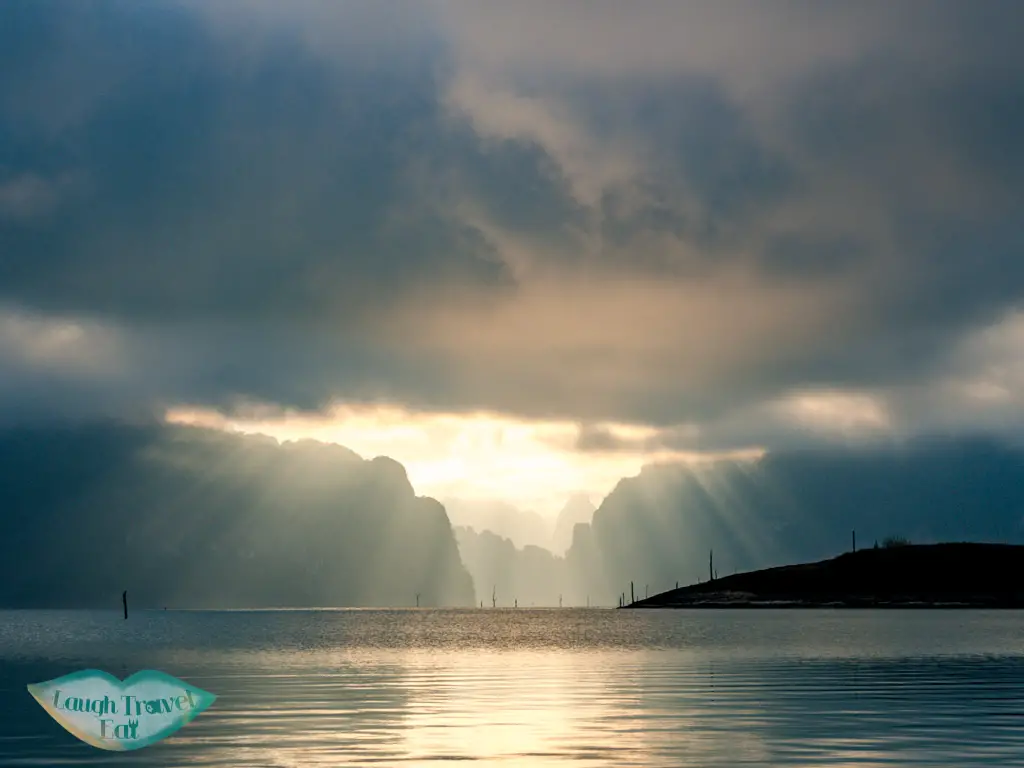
{"x": 739, "y": 222}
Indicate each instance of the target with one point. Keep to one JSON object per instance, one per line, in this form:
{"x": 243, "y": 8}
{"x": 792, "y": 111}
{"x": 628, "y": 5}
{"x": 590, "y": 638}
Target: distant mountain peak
{"x": 578, "y": 509}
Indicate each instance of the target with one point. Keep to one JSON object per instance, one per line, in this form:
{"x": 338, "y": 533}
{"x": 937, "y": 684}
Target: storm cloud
{"x": 740, "y": 223}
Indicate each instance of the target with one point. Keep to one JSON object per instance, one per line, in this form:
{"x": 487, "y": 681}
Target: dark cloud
{"x": 796, "y": 254}
{"x": 593, "y": 438}
{"x": 453, "y": 212}
{"x": 219, "y": 189}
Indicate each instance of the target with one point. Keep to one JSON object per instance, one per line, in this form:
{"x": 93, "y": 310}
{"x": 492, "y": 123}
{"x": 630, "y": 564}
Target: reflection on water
{"x": 546, "y": 687}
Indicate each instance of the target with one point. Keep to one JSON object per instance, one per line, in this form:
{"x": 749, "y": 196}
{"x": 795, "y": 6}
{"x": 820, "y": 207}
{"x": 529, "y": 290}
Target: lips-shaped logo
{"x": 121, "y": 715}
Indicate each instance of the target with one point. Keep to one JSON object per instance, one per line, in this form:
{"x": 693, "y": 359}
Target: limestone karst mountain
{"x": 190, "y": 517}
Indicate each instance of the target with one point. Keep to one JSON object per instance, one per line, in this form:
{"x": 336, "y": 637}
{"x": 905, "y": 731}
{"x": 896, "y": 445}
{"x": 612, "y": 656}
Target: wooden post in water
{"x": 632, "y": 597}
{"x": 124, "y": 601}
{"x": 494, "y": 597}
{"x": 417, "y": 599}
{"x": 711, "y": 566}
{"x": 854, "y": 535}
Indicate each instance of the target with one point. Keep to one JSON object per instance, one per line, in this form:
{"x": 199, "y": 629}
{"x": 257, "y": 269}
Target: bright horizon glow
{"x": 532, "y": 465}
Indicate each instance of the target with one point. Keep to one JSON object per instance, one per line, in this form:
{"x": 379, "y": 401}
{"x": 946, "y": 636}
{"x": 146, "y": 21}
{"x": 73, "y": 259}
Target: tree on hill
{"x": 895, "y": 541}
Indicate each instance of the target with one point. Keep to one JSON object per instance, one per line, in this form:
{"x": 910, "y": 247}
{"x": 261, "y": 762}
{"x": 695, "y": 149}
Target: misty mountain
{"x": 577, "y": 509}
{"x": 532, "y": 575}
{"x": 657, "y": 528}
{"x": 522, "y": 527}
{"x": 182, "y": 516}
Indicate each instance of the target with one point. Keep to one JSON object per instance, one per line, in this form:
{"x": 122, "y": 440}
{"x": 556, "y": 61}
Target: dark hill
{"x": 798, "y": 506}
{"x": 932, "y": 575}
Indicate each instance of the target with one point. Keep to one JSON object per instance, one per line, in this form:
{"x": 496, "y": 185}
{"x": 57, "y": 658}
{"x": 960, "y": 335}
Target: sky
{"x": 522, "y": 248}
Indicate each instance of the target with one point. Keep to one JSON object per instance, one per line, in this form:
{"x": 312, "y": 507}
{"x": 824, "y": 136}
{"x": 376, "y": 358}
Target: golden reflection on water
{"x": 605, "y": 708}
{"x": 534, "y": 689}
{"x": 527, "y": 705}
{"x": 533, "y": 708}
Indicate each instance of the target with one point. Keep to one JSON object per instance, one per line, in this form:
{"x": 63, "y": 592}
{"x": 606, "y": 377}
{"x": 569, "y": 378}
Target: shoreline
{"x": 947, "y": 576}
{"x": 852, "y": 605}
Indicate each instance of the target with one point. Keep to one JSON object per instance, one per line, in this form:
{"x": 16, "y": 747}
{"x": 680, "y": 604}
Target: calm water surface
{"x": 541, "y": 687}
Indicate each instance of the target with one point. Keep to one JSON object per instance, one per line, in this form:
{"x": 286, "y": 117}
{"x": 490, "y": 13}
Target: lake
{"x": 544, "y": 687}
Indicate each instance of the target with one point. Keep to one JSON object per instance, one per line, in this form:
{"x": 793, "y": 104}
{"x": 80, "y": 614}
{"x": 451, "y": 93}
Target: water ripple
{"x": 543, "y": 688}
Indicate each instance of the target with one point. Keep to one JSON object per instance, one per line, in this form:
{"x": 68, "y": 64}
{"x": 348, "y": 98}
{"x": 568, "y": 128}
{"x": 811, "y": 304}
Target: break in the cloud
{"x": 469, "y": 459}
{"x": 730, "y": 224}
